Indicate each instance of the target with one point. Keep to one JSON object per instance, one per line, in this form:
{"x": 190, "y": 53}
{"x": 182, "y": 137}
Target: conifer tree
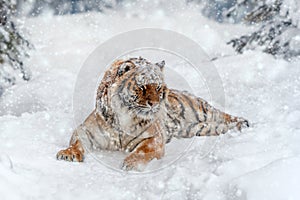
{"x": 278, "y": 22}
{"x": 13, "y": 48}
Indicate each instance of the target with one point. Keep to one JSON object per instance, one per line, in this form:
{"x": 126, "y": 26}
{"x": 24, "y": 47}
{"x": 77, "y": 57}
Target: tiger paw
{"x": 133, "y": 162}
{"x": 70, "y": 154}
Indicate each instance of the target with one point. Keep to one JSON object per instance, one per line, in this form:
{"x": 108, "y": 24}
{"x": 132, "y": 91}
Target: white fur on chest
{"x": 123, "y": 118}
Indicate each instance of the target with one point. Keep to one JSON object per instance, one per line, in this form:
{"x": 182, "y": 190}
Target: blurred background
{"x": 275, "y": 24}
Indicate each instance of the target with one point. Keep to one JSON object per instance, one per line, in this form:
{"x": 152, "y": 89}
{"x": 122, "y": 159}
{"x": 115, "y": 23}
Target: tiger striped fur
{"x": 136, "y": 112}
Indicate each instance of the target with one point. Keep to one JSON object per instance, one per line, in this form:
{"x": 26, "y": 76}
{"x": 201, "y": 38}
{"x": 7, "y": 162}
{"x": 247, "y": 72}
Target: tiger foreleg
{"x": 147, "y": 150}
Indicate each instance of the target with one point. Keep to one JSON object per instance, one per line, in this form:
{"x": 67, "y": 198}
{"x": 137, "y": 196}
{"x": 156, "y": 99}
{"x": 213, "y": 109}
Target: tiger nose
{"x": 152, "y": 104}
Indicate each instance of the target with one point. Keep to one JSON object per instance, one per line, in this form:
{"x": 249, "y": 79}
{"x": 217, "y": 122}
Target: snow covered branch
{"x": 277, "y": 32}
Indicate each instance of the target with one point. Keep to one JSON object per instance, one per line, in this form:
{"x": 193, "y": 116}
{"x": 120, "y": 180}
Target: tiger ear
{"x": 161, "y": 64}
{"x": 124, "y": 67}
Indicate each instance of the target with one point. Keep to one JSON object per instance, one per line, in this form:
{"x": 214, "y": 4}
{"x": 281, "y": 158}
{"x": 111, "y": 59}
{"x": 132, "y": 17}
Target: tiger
{"x": 138, "y": 114}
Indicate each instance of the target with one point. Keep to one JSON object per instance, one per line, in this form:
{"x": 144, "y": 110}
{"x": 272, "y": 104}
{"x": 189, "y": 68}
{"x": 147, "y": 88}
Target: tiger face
{"x": 142, "y": 89}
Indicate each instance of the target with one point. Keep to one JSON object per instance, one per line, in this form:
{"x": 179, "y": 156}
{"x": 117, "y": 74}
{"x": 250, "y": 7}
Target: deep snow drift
{"x": 262, "y": 162}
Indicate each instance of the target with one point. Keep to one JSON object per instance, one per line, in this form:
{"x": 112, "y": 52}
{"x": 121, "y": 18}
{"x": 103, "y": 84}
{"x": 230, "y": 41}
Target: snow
{"x": 36, "y": 121}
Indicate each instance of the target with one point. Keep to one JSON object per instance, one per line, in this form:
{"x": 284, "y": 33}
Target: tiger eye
{"x": 134, "y": 97}
{"x": 161, "y": 95}
{"x": 143, "y": 88}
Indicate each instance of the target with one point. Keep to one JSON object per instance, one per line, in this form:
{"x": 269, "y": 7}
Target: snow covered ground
{"x": 36, "y": 121}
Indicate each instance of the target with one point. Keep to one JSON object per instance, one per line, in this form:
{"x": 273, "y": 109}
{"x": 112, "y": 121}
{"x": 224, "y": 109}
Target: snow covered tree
{"x": 231, "y": 11}
{"x": 64, "y": 7}
{"x": 278, "y": 30}
{"x": 276, "y": 24}
{"x": 13, "y": 47}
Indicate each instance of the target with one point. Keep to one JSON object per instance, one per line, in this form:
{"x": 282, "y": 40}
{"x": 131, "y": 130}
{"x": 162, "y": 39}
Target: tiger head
{"x": 141, "y": 87}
